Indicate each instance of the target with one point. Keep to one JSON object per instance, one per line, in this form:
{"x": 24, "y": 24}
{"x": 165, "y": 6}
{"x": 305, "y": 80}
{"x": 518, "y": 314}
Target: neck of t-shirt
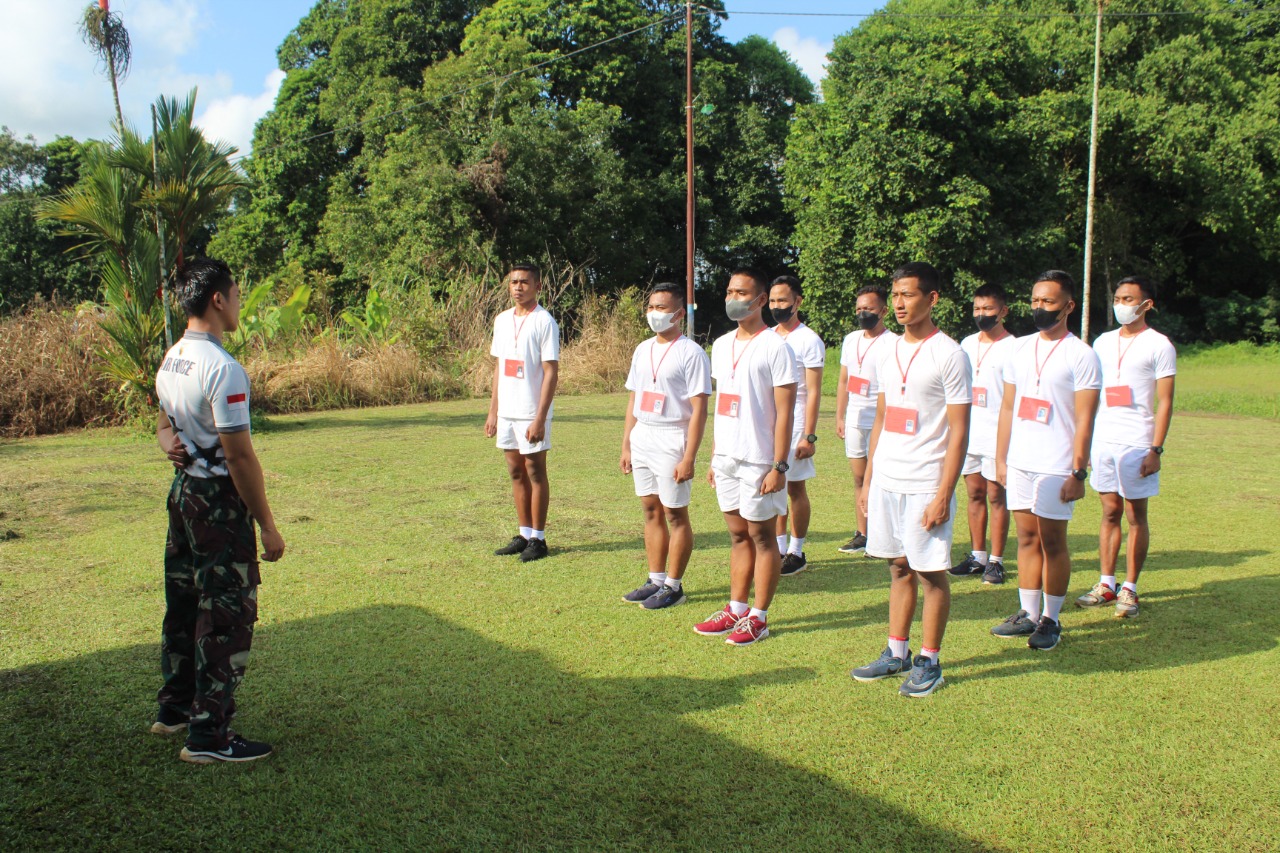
{"x": 750, "y": 327}
{"x": 879, "y": 330}
{"x": 521, "y": 311}
{"x": 669, "y": 336}
{"x": 917, "y": 332}
{"x": 1058, "y": 332}
{"x": 204, "y": 327}
{"x": 1135, "y": 328}
{"x": 789, "y": 327}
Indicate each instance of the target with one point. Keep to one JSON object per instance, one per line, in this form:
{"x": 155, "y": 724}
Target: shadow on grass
{"x": 394, "y": 418}
{"x": 397, "y": 729}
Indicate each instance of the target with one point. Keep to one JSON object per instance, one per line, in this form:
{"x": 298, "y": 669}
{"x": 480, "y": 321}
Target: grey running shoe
{"x": 970, "y": 566}
{"x": 1126, "y": 604}
{"x": 926, "y": 677}
{"x": 1046, "y": 635}
{"x": 640, "y": 593}
{"x": 882, "y": 667}
{"x": 1019, "y": 624}
{"x": 668, "y": 596}
{"x": 994, "y": 574}
{"x": 854, "y": 545}
{"x": 237, "y": 749}
{"x": 1100, "y": 594}
{"x": 793, "y": 564}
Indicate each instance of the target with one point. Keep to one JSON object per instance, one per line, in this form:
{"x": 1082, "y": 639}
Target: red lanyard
{"x": 665, "y": 353}
{"x": 520, "y": 327}
{"x": 1123, "y": 351}
{"x": 862, "y": 355}
{"x": 990, "y": 347}
{"x": 911, "y": 360}
{"x": 734, "y": 349}
{"x": 1040, "y": 365}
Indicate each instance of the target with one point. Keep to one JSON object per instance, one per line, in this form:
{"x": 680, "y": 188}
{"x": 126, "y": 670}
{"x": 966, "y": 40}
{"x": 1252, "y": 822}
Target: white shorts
{"x": 894, "y": 530}
{"x": 984, "y": 465}
{"x": 511, "y": 436}
{"x": 1039, "y": 493}
{"x": 856, "y": 442}
{"x": 655, "y": 453}
{"x": 738, "y": 488}
{"x": 1115, "y": 469}
{"x": 799, "y": 469}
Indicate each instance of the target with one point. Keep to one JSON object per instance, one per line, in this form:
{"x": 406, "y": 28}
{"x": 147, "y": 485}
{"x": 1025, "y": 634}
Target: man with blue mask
{"x": 1138, "y": 368}
{"x": 669, "y": 381}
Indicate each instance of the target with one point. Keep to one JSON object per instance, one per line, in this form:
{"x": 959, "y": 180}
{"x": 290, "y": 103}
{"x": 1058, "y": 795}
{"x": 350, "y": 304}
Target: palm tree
{"x": 103, "y": 31}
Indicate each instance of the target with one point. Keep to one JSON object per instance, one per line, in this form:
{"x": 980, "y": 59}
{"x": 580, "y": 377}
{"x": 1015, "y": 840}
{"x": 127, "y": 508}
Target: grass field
{"x": 422, "y": 694}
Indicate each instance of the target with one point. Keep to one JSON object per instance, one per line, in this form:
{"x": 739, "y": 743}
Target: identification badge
{"x": 858, "y": 385}
{"x": 1031, "y": 409}
{"x": 652, "y": 402}
{"x": 727, "y": 405}
{"x": 513, "y": 367}
{"x": 980, "y": 397}
{"x": 900, "y": 420}
{"x": 1119, "y": 395}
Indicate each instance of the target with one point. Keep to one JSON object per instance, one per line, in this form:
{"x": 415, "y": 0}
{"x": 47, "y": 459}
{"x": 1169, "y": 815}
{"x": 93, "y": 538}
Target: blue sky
{"x": 48, "y": 84}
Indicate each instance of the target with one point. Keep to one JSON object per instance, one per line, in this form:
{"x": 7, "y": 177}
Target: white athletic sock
{"x": 782, "y": 544}
{"x": 1030, "y": 599}
{"x": 526, "y": 532}
{"x": 980, "y": 556}
{"x": 1053, "y": 605}
{"x": 1132, "y": 587}
{"x": 674, "y": 583}
{"x": 931, "y": 654}
{"x": 1109, "y": 580}
{"x": 995, "y": 558}
{"x": 657, "y": 578}
{"x": 537, "y": 534}
{"x": 898, "y": 647}
{"x": 738, "y": 608}
{"x": 797, "y": 545}
{"x": 762, "y": 615}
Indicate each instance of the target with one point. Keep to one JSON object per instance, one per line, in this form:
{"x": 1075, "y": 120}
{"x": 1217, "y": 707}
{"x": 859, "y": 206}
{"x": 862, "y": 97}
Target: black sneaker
{"x": 1046, "y": 636}
{"x": 970, "y": 566}
{"x": 793, "y": 564}
{"x": 640, "y": 593}
{"x": 169, "y": 722}
{"x": 854, "y": 545}
{"x": 535, "y": 550}
{"x": 237, "y": 749}
{"x": 994, "y": 574}
{"x": 668, "y": 596}
{"x": 515, "y": 546}
{"x": 1019, "y": 624}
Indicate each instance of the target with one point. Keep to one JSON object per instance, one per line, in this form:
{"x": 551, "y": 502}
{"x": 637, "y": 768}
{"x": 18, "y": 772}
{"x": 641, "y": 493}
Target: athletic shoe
{"x": 515, "y": 546}
{"x": 718, "y": 623}
{"x": 793, "y": 564}
{"x": 668, "y": 596}
{"x": 535, "y": 550}
{"x": 748, "y": 630}
{"x": 882, "y": 667}
{"x": 854, "y": 545}
{"x": 926, "y": 677}
{"x": 169, "y": 722}
{"x": 994, "y": 574}
{"x": 1100, "y": 594}
{"x": 1126, "y": 604}
{"x": 970, "y": 566}
{"x": 1046, "y": 635}
{"x": 640, "y": 593}
{"x": 237, "y": 749}
{"x": 1019, "y": 624}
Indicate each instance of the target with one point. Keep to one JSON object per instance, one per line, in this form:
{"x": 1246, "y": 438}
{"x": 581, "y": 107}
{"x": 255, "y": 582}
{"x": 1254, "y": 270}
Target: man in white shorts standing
{"x": 1138, "y": 367}
{"x": 785, "y": 296}
{"x": 755, "y": 374}
{"x": 1052, "y": 380}
{"x": 669, "y": 381}
{"x": 858, "y": 391}
{"x": 526, "y": 344}
{"x": 918, "y": 445}
{"x": 987, "y": 350}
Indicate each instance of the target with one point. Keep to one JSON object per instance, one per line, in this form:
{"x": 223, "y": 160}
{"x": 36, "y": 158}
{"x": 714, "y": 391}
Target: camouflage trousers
{"x": 211, "y": 602}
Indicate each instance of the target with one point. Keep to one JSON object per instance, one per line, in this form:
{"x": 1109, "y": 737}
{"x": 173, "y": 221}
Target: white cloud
{"x": 231, "y": 118}
{"x": 808, "y": 53}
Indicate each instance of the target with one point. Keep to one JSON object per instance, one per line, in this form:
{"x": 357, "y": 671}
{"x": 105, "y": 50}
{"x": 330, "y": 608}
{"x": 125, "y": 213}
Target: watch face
{"x": 811, "y": 438}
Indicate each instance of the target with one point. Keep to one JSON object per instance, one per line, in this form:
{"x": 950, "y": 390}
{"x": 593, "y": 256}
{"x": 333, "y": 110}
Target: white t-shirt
{"x": 1128, "y": 417}
{"x": 665, "y": 378}
{"x": 745, "y": 413}
{"x": 809, "y": 351}
{"x": 521, "y": 345}
{"x": 204, "y": 391}
{"x": 987, "y": 361}
{"x": 914, "y": 435}
{"x": 860, "y": 356}
{"x": 1044, "y": 412}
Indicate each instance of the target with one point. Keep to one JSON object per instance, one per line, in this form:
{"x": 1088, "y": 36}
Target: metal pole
{"x": 690, "y": 305}
{"x": 164, "y": 279}
{"x": 1093, "y": 179}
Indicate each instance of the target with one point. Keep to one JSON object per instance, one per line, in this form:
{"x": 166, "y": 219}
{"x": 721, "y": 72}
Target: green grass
{"x": 424, "y": 695}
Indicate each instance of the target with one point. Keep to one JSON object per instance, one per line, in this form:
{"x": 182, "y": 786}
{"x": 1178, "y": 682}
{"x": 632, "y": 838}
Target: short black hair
{"x": 992, "y": 291}
{"x": 674, "y": 290}
{"x": 537, "y": 273}
{"x": 1064, "y": 280}
{"x": 930, "y": 281}
{"x": 874, "y": 290}
{"x": 1146, "y": 285}
{"x": 761, "y": 280}
{"x": 198, "y": 279}
{"x": 791, "y": 282}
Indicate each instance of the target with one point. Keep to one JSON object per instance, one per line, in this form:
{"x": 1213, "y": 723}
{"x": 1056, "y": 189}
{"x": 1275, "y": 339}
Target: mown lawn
{"x": 423, "y": 694}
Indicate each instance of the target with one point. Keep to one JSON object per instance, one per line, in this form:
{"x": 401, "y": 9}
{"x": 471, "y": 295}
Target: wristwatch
{"x": 1158, "y": 450}
{"x": 781, "y": 467}
{"x": 1080, "y": 474}
{"x": 812, "y": 438}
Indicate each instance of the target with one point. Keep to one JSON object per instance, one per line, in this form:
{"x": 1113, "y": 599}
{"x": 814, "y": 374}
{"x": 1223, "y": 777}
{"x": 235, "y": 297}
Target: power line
{"x": 1016, "y": 15}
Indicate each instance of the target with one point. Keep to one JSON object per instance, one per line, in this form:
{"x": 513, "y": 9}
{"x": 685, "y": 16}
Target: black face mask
{"x": 986, "y": 322}
{"x": 1045, "y": 319}
{"x": 868, "y": 320}
{"x": 783, "y": 315}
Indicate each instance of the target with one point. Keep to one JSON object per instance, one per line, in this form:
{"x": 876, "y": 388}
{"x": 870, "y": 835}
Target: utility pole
{"x": 690, "y": 305}
{"x": 1093, "y": 178}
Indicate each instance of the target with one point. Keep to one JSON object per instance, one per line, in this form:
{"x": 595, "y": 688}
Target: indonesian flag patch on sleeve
{"x": 235, "y": 398}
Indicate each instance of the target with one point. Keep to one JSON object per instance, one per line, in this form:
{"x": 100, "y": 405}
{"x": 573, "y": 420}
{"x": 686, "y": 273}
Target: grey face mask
{"x": 738, "y": 309}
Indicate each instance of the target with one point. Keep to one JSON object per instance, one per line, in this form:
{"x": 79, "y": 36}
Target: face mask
{"x": 986, "y": 322}
{"x": 783, "y": 315}
{"x": 738, "y": 309}
{"x": 1126, "y": 314}
{"x": 868, "y": 320}
{"x": 1044, "y": 318}
{"x": 660, "y": 321}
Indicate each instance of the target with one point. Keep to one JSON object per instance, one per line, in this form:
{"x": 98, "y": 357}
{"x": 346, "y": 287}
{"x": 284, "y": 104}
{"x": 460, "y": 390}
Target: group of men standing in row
{"x": 1021, "y": 419}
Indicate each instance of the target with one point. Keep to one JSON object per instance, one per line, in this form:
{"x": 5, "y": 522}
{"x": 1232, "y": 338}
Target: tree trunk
{"x": 115, "y": 90}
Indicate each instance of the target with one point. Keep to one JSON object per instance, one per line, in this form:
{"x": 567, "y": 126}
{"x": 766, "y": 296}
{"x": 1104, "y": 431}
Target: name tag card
{"x": 652, "y": 402}
{"x": 980, "y": 397}
{"x": 1031, "y": 409}
{"x": 727, "y": 405}
{"x": 900, "y": 420}
{"x": 1119, "y": 395}
{"x": 858, "y": 385}
{"x": 513, "y": 368}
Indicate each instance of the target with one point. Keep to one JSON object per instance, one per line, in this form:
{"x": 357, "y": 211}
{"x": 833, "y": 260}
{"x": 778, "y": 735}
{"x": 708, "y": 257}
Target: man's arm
{"x": 842, "y": 401}
{"x": 1004, "y": 429}
{"x": 813, "y": 383}
{"x": 246, "y": 473}
{"x": 171, "y": 443}
{"x": 957, "y": 446}
{"x": 1086, "y": 411}
{"x": 871, "y": 452}
{"x": 697, "y": 426}
{"x": 1164, "y": 417}
{"x": 784, "y": 400}
{"x": 491, "y": 423}
{"x": 628, "y": 424}
{"x": 550, "y": 379}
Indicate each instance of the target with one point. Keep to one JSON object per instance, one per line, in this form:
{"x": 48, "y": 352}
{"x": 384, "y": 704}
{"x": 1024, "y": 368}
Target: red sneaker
{"x": 719, "y": 623}
{"x": 748, "y": 630}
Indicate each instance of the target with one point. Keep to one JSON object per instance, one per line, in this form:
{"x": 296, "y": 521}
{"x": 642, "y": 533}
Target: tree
{"x": 104, "y": 32}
